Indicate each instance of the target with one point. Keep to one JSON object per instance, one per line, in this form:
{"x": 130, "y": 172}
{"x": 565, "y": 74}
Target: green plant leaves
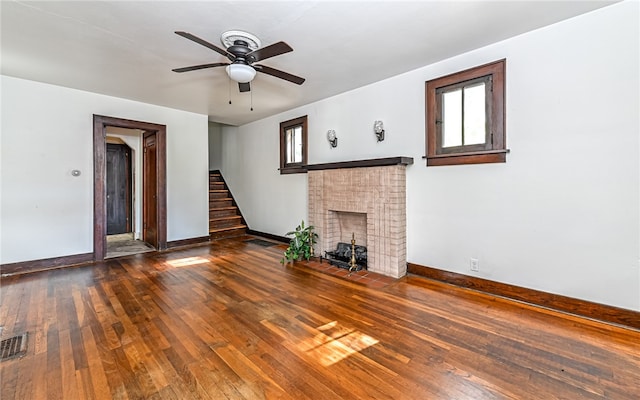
{"x": 301, "y": 243}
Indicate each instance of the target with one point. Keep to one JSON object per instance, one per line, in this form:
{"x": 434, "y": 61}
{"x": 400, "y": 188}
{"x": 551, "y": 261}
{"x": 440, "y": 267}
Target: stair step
{"x": 223, "y": 208}
{"x": 228, "y": 228}
{"x": 220, "y": 223}
{"x": 232, "y": 217}
{"x": 219, "y": 194}
{"x": 237, "y": 230}
{"x": 218, "y": 203}
{"x": 228, "y": 234}
{"x": 224, "y": 212}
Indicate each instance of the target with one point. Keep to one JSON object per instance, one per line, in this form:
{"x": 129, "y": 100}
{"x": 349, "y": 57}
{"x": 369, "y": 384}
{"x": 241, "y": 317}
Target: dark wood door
{"x": 118, "y": 189}
{"x": 150, "y": 190}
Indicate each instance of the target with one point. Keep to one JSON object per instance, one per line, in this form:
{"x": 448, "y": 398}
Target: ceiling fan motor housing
{"x": 240, "y": 49}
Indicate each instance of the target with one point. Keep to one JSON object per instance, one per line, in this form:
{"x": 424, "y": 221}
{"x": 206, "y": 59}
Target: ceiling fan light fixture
{"x": 241, "y": 73}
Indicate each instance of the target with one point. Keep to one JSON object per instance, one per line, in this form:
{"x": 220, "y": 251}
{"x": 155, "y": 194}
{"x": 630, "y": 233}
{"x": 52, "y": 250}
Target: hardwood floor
{"x": 228, "y": 321}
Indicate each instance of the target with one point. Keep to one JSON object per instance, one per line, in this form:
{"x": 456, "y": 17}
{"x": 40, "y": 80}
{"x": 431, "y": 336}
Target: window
{"x": 465, "y": 117}
{"x": 293, "y": 146}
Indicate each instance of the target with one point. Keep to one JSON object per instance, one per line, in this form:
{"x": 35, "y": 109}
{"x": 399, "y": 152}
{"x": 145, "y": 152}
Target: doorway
{"x": 119, "y": 188}
{"x": 154, "y": 218}
{"x": 124, "y": 193}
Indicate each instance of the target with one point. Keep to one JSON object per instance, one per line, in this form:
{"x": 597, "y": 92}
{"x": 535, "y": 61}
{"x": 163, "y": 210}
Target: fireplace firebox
{"x": 341, "y": 257}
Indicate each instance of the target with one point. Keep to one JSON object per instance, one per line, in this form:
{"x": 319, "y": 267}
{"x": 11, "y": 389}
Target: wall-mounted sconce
{"x": 332, "y": 138}
{"x": 378, "y": 129}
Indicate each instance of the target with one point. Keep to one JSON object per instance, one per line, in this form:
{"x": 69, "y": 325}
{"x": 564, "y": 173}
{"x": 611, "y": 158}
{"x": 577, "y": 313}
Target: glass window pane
{"x": 474, "y": 114}
{"x": 290, "y": 143}
{"x": 293, "y": 137}
{"x": 452, "y": 118}
{"x": 298, "y": 144}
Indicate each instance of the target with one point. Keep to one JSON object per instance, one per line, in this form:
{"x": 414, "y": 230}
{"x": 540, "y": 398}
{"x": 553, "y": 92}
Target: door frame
{"x": 147, "y": 198}
{"x": 100, "y": 123}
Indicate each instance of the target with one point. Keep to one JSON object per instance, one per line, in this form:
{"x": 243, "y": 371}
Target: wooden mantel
{"x": 374, "y": 162}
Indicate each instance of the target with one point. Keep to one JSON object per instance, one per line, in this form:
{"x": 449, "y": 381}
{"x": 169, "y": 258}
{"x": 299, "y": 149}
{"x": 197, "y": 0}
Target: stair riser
{"x": 219, "y": 195}
{"x": 224, "y": 223}
{"x": 230, "y": 233}
{"x": 222, "y": 213}
{"x": 216, "y": 186}
{"x": 220, "y": 203}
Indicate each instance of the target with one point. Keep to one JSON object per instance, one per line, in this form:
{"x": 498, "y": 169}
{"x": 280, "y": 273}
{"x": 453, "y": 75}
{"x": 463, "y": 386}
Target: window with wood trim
{"x": 465, "y": 121}
{"x": 293, "y": 146}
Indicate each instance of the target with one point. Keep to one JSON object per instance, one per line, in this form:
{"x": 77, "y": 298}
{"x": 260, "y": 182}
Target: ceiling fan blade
{"x": 244, "y": 87}
{"x": 270, "y": 51}
{"x": 196, "y": 67}
{"x": 279, "y": 74}
{"x": 204, "y": 43}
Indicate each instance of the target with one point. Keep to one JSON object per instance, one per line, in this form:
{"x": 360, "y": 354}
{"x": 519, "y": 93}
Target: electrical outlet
{"x": 474, "y": 265}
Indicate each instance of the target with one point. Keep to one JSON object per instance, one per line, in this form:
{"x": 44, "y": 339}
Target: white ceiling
{"x": 128, "y": 48}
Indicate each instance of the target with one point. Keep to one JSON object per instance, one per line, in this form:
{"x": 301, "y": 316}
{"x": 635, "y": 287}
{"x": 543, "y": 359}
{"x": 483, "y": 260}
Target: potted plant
{"x": 301, "y": 244}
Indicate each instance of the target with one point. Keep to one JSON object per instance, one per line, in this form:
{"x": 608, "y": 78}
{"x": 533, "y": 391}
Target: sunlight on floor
{"x": 334, "y": 343}
{"x": 185, "y": 262}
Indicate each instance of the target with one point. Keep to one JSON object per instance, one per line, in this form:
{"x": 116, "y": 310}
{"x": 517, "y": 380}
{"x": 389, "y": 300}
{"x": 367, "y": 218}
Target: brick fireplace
{"x": 367, "y": 198}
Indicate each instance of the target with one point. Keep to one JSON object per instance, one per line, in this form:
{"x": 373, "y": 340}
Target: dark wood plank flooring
{"x": 228, "y": 321}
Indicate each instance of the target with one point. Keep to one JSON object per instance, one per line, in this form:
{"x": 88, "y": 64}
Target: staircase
{"x": 225, "y": 219}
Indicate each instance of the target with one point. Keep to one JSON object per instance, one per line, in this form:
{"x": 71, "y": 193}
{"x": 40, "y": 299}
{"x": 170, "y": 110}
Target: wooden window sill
{"x": 473, "y": 157}
{"x": 293, "y": 170}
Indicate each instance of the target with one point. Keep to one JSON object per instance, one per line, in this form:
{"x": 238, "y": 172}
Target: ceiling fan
{"x": 243, "y": 50}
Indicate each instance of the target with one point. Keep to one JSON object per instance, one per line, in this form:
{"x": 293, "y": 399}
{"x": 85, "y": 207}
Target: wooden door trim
{"x": 100, "y": 123}
{"x": 149, "y": 201}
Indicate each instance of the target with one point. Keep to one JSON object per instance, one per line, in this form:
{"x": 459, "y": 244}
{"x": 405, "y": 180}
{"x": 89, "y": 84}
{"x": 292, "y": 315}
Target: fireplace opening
{"x": 348, "y": 256}
{"x": 343, "y": 225}
{"x": 347, "y": 236}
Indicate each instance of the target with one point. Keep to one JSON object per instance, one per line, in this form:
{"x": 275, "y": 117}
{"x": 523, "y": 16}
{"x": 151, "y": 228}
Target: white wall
{"x": 560, "y": 216}
{"x": 47, "y": 131}
{"x": 215, "y": 146}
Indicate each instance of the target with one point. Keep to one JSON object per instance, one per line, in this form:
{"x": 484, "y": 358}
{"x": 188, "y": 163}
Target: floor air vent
{"x": 260, "y": 242}
{"x": 13, "y": 347}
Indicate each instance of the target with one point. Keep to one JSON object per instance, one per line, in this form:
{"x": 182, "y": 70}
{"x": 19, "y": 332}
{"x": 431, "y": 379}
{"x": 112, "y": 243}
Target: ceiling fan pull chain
{"x": 229, "y": 89}
{"x": 252, "y": 98}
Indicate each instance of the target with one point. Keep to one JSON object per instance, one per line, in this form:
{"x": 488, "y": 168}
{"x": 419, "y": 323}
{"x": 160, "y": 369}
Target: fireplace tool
{"x": 352, "y": 264}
